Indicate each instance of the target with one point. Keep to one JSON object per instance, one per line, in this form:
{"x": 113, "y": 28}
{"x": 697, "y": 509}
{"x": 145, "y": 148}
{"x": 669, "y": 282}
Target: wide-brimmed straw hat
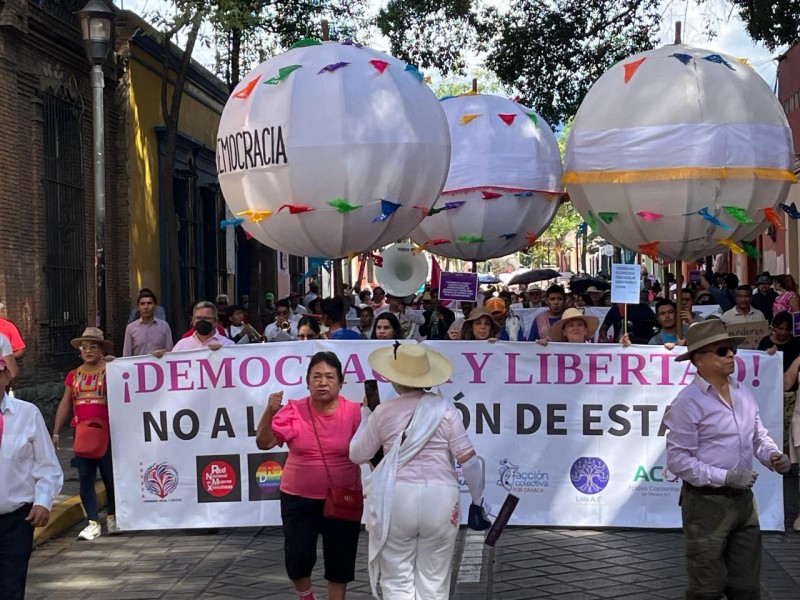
{"x": 91, "y": 334}
{"x": 573, "y": 314}
{"x": 704, "y": 334}
{"x": 411, "y": 364}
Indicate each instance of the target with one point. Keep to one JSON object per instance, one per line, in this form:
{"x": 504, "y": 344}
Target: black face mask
{"x": 203, "y": 327}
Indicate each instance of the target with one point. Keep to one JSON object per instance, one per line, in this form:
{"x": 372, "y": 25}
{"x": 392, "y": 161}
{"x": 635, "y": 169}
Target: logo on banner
{"x": 265, "y": 470}
{"x": 589, "y": 475}
{"x": 658, "y": 473}
{"x": 218, "y": 478}
{"x": 514, "y": 480}
{"x": 655, "y": 481}
{"x": 160, "y": 479}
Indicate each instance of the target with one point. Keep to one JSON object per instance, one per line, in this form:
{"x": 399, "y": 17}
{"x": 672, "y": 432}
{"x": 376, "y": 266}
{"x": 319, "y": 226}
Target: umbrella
{"x": 679, "y": 152}
{"x": 533, "y": 276}
{"x": 581, "y": 284}
{"x": 488, "y": 278}
{"x": 331, "y": 149}
{"x": 503, "y": 185}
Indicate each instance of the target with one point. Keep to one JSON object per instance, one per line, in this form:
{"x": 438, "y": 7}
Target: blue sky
{"x": 731, "y": 36}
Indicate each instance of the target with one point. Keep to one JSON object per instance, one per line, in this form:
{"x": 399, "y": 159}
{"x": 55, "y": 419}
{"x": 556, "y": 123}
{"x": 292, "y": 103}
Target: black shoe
{"x": 477, "y": 519}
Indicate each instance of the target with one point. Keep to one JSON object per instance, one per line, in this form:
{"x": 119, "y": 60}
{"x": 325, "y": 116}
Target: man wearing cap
{"x": 268, "y": 313}
{"x": 714, "y": 433}
{"x": 556, "y": 304}
{"x": 298, "y": 310}
{"x": 764, "y": 296}
{"x": 510, "y": 328}
{"x": 743, "y": 311}
{"x": 31, "y": 479}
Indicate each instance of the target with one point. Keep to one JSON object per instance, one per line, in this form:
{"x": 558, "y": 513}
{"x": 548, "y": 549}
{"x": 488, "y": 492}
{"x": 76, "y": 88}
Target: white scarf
{"x": 379, "y": 485}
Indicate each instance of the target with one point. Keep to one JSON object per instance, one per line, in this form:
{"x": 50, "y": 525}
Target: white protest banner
{"x": 574, "y": 430}
{"x": 625, "y": 284}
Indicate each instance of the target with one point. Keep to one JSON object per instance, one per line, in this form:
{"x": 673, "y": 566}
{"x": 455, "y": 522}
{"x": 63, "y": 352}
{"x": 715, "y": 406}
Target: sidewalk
{"x": 67, "y": 509}
{"x": 528, "y": 563}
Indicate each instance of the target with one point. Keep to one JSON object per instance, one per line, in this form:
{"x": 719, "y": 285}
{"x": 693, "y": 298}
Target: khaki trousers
{"x": 723, "y": 546}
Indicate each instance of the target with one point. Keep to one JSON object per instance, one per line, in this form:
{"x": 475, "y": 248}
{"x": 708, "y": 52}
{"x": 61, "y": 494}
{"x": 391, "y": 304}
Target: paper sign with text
{"x": 625, "y": 283}
{"x": 752, "y": 332}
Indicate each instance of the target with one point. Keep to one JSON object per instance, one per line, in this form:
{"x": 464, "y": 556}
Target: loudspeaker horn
{"x": 402, "y": 272}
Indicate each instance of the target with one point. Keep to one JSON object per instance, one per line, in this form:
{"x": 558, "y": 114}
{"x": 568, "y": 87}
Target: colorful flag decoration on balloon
{"x": 387, "y": 209}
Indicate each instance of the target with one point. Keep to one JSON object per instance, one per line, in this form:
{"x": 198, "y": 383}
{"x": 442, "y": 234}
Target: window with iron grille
{"x": 201, "y": 242}
{"x": 65, "y": 242}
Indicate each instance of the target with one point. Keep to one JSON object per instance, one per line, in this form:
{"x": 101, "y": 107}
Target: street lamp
{"x": 97, "y": 26}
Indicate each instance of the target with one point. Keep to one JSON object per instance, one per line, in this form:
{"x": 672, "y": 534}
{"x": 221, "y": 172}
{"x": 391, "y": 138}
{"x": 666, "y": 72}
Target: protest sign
{"x": 625, "y": 284}
{"x": 574, "y": 430}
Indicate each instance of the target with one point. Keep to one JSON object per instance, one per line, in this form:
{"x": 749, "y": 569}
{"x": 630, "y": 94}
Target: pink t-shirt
{"x": 304, "y": 473}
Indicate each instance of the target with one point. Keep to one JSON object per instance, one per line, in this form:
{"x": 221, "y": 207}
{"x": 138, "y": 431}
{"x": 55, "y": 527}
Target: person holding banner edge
{"x": 714, "y": 433}
{"x": 317, "y": 430}
{"x": 412, "y": 496}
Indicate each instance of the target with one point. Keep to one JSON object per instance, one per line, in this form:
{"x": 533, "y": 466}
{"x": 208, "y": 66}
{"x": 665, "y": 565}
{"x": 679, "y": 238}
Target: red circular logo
{"x": 219, "y": 478}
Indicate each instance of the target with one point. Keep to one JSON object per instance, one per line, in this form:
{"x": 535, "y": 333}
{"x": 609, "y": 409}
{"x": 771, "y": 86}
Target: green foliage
{"x": 454, "y": 86}
{"x": 552, "y": 52}
{"x": 248, "y": 32}
{"x": 437, "y": 33}
{"x": 773, "y": 22}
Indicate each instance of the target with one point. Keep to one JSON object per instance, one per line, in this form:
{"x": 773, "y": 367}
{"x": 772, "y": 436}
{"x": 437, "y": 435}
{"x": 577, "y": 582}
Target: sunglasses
{"x": 89, "y": 347}
{"x": 722, "y": 351}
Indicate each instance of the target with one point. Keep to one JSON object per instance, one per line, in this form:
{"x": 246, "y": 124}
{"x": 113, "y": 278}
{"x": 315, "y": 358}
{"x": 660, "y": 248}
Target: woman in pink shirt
{"x": 788, "y": 298}
{"x": 305, "y": 479}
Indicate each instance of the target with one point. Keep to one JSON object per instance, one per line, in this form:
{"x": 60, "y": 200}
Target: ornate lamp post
{"x": 97, "y": 26}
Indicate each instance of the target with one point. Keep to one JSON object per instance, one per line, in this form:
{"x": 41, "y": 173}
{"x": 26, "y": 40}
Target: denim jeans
{"x": 87, "y": 473}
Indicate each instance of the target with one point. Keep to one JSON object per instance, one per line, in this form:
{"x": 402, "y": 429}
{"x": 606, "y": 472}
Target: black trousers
{"x": 16, "y": 544}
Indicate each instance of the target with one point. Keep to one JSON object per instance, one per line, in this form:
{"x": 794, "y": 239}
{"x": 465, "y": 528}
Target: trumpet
{"x": 285, "y": 326}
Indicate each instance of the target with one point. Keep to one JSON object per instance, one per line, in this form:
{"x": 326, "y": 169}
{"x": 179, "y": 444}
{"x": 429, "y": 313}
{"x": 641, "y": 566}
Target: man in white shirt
{"x": 298, "y": 310}
{"x": 31, "y": 479}
{"x": 313, "y": 294}
{"x": 283, "y": 329}
{"x": 743, "y": 311}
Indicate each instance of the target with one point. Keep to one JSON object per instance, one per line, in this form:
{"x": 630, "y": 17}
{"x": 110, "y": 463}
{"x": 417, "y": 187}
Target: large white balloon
{"x": 677, "y": 148}
{"x": 504, "y": 184}
{"x": 319, "y": 145}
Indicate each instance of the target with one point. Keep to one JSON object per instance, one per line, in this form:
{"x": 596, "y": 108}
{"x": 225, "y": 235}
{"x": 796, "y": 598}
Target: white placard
{"x": 625, "y": 285}
{"x": 183, "y": 427}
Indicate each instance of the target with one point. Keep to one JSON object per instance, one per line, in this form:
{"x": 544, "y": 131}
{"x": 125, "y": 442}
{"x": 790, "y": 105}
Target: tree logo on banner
{"x": 160, "y": 479}
{"x": 589, "y": 475}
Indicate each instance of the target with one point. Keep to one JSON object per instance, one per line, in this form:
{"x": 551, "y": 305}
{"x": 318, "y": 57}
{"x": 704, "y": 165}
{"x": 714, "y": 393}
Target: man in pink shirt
{"x": 204, "y": 321}
{"x": 714, "y": 433}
